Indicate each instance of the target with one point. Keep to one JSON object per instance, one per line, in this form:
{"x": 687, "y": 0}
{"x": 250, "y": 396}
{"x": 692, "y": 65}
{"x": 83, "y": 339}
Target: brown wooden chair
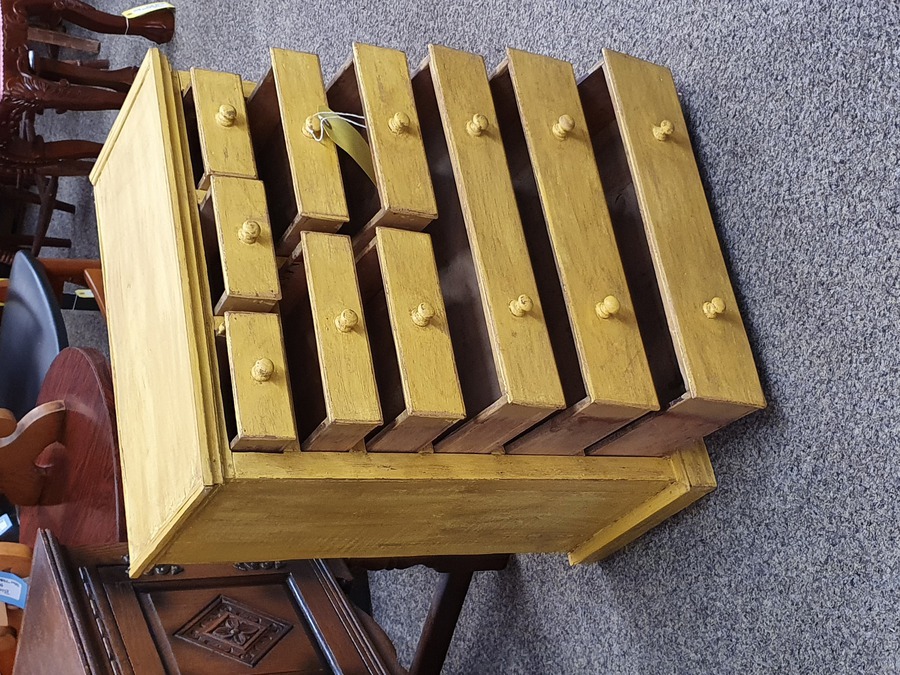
{"x": 31, "y": 83}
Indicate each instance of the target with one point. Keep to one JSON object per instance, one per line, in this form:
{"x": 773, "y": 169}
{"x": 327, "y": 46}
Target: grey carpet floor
{"x": 793, "y": 564}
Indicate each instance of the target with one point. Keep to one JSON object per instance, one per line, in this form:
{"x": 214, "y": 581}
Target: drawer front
{"x": 249, "y": 270}
{"x": 610, "y": 351}
{"x": 519, "y": 339}
{"x": 315, "y": 171}
{"x": 342, "y": 343}
{"x": 395, "y": 137}
{"x": 222, "y": 125}
{"x": 710, "y": 341}
{"x": 421, "y": 335}
{"x": 260, "y": 383}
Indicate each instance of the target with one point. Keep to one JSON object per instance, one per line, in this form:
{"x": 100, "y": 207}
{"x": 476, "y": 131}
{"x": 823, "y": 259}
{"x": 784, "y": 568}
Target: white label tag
{"x": 149, "y": 8}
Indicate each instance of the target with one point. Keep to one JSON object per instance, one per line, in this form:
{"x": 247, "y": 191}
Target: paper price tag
{"x": 13, "y": 590}
{"x": 149, "y": 8}
{"x": 348, "y": 139}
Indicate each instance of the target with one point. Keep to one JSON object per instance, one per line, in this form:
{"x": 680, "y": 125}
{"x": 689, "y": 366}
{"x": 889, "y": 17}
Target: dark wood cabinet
{"x": 85, "y": 615}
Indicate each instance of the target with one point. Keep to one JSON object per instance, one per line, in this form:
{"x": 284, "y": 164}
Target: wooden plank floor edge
{"x": 695, "y": 479}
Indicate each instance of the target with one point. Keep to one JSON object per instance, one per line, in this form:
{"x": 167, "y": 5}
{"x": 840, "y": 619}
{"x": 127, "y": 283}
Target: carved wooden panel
{"x": 231, "y": 629}
{"x": 265, "y": 618}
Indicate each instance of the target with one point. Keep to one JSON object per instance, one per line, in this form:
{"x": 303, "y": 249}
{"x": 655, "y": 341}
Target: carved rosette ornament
{"x": 235, "y": 631}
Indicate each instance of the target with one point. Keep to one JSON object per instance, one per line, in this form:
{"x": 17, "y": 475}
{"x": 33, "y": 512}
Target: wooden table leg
{"x": 437, "y": 633}
{"x": 51, "y": 69}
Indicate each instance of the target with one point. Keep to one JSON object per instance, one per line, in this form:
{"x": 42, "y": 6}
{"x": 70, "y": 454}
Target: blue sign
{"x": 13, "y": 590}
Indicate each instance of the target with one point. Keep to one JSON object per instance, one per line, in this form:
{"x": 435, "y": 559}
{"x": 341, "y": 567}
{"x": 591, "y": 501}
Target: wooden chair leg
{"x": 51, "y": 69}
{"x": 157, "y": 26}
{"x": 44, "y": 94}
{"x": 47, "y": 188}
{"x": 437, "y": 633}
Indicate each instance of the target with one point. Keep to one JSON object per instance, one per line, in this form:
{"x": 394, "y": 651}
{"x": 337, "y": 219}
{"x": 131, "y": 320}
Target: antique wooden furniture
{"x": 84, "y": 615}
{"x": 224, "y": 404}
{"x": 32, "y": 81}
{"x": 80, "y": 499}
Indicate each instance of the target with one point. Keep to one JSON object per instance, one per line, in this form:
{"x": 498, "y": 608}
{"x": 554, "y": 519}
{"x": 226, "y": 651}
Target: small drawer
{"x": 221, "y": 119}
{"x": 497, "y": 321}
{"x": 302, "y": 175}
{"x": 235, "y": 209}
{"x": 260, "y": 384}
{"x": 414, "y": 364}
{"x": 595, "y": 337}
{"x": 328, "y": 345}
{"x": 376, "y": 84}
{"x": 705, "y": 376}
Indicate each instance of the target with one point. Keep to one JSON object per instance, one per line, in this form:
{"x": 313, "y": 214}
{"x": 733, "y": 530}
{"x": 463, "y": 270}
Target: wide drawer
{"x": 497, "y": 321}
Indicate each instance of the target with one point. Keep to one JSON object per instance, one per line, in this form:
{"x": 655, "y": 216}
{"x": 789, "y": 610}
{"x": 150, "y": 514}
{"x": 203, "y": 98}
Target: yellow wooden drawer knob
{"x": 399, "y": 123}
{"x": 477, "y": 125}
{"x": 423, "y": 314}
{"x": 226, "y": 115}
{"x": 563, "y": 127}
{"x": 312, "y": 128}
{"x": 521, "y": 305}
{"x": 608, "y": 307}
{"x": 263, "y": 370}
{"x": 714, "y": 307}
{"x": 249, "y": 232}
{"x": 346, "y": 320}
{"x": 663, "y": 131}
